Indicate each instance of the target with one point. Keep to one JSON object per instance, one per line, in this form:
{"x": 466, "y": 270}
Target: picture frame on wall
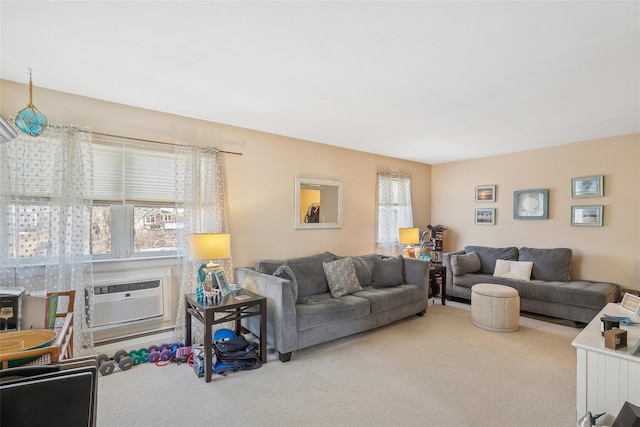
{"x": 587, "y": 186}
{"x": 586, "y": 216}
{"x": 485, "y": 193}
{"x": 485, "y": 216}
{"x": 531, "y": 204}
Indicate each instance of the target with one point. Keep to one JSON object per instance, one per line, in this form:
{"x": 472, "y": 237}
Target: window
{"x": 394, "y": 209}
{"x": 134, "y": 212}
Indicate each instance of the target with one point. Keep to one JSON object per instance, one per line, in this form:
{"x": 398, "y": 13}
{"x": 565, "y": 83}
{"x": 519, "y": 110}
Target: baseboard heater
{"x": 123, "y": 304}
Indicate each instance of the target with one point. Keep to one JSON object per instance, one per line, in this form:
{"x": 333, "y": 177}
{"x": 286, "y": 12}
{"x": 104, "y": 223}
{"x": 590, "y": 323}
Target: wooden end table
{"x": 438, "y": 271}
{"x": 231, "y": 308}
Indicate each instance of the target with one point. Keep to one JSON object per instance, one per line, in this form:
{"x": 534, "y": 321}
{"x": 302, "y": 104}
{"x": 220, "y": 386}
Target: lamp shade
{"x": 209, "y": 246}
{"x": 409, "y": 236}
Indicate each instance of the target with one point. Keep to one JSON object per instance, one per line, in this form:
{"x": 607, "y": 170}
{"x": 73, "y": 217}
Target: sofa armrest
{"x": 282, "y": 325}
{"x": 446, "y": 262}
{"x": 416, "y": 272}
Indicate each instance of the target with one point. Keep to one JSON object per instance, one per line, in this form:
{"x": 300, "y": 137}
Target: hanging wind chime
{"x": 30, "y": 120}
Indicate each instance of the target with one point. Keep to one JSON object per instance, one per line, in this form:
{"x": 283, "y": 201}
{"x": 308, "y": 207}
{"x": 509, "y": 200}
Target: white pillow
{"x": 520, "y": 270}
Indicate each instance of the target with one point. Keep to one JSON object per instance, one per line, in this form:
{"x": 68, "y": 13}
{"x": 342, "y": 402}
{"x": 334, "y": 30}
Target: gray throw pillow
{"x": 552, "y": 265}
{"x": 341, "y": 277}
{"x": 285, "y": 272}
{"x": 465, "y": 263}
{"x": 364, "y": 268}
{"x": 387, "y": 271}
{"x": 489, "y": 255}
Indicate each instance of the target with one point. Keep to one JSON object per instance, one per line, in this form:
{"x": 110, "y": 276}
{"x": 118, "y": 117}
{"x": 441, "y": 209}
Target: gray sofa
{"x": 322, "y": 297}
{"x": 550, "y": 290}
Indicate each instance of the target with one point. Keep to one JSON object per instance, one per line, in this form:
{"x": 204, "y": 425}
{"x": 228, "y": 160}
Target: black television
{"x": 48, "y": 395}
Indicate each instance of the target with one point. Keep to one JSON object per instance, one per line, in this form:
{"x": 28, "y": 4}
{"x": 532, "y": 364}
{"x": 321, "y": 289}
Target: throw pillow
{"x": 489, "y": 255}
{"x": 341, "y": 277}
{"x": 552, "y": 265}
{"x": 285, "y": 272}
{"x": 387, "y": 271}
{"x": 519, "y": 270}
{"x": 364, "y": 268}
{"x": 465, "y": 263}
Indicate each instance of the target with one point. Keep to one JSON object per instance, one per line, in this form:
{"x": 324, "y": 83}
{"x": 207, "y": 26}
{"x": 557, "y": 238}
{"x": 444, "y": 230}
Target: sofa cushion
{"x": 268, "y": 266}
{"x": 390, "y": 297}
{"x": 285, "y": 272}
{"x": 308, "y": 271}
{"x": 387, "y": 271}
{"x": 322, "y": 309}
{"x": 465, "y": 263}
{"x": 341, "y": 277}
{"x": 520, "y": 270}
{"x": 549, "y": 264}
{"x": 576, "y": 293}
{"x": 488, "y": 256}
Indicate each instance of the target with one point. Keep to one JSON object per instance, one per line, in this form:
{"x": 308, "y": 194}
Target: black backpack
{"x": 236, "y": 354}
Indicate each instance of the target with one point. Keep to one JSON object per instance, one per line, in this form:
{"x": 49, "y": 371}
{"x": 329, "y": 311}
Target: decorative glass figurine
{"x": 30, "y": 120}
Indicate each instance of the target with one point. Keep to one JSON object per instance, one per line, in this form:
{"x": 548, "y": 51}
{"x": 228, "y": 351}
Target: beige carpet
{"x": 436, "y": 370}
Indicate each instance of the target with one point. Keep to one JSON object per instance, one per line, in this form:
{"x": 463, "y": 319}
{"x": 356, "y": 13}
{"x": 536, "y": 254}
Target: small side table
{"x": 438, "y": 278}
{"x": 231, "y": 309}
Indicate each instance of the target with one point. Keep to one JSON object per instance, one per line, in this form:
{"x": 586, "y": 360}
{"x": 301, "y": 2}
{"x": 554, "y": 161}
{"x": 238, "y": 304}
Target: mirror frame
{"x": 300, "y": 181}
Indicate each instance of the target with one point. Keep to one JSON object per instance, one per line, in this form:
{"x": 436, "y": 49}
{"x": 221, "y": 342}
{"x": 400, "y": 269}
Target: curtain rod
{"x": 154, "y": 142}
{"x": 393, "y": 175}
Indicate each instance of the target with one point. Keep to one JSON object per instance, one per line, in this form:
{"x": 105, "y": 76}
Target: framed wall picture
{"x": 531, "y": 204}
{"x": 485, "y": 193}
{"x": 222, "y": 282}
{"x": 586, "y": 216}
{"x": 587, "y": 186}
{"x": 485, "y": 216}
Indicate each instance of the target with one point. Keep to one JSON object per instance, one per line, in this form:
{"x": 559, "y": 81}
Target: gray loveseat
{"x": 322, "y": 297}
{"x": 550, "y": 290}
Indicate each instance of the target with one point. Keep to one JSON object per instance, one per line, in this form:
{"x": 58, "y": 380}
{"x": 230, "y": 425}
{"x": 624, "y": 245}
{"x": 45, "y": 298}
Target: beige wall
{"x": 261, "y": 185}
{"x": 260, "y": 182}
{"x": 608, "y": 253}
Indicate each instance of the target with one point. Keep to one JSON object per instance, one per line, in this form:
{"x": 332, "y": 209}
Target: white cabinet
{"x": 606, "y": 378}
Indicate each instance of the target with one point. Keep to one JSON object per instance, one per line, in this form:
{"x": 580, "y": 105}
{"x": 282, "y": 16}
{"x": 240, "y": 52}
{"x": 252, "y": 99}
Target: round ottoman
{"x": 495, "y": 307}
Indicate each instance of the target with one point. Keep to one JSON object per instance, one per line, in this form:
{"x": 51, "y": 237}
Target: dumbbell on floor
{"x": 106, "y": 365}
{"x": 139, "y": 356}
{"x": 162, "y": 353}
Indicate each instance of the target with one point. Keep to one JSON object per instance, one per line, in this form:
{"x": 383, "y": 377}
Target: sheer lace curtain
{"x": 201, "y": 194}
{"x": 45, "y": 201}
{"x": 394, "y": 211}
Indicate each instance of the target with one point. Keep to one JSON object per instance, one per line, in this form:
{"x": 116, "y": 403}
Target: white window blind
{"x": 130, "y": 173}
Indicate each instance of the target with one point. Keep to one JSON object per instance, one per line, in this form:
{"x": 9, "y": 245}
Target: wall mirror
{"x": 318, "y": 203}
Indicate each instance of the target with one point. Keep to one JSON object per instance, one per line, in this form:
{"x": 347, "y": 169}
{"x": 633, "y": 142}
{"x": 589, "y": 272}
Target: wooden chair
{"x": 62, "y": 346}
{"x": 61, "y": 315}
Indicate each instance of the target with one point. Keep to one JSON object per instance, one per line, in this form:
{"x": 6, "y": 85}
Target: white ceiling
{"x": 426, "y": 81}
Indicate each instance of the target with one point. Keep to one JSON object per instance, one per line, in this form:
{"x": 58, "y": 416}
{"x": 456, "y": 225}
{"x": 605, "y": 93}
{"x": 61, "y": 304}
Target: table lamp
{"x": 409, "y": 237}
{"x": 209, "y": 246}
